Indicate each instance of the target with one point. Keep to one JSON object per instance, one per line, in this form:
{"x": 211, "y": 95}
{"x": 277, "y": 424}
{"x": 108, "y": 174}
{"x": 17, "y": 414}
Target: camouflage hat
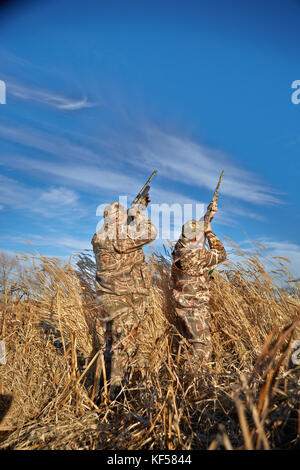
{"x": 191, "y": 229}
{"x": 113, "y": 210}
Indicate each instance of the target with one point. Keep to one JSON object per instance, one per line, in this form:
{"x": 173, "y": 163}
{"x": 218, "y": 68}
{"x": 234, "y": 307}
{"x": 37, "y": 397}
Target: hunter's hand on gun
{"x": 212, "y": 213}
{"x": 141, "y": 201}
{"x": 146, "y": 201}
{"x": 142, "y": 205}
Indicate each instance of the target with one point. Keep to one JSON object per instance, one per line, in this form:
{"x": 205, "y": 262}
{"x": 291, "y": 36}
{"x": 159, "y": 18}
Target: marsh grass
{"x": 246, "y": 398}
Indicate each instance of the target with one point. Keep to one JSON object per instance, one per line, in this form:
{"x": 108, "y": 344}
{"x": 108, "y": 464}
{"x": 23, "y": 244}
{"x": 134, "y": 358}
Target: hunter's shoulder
{"x": 142, "y": 229}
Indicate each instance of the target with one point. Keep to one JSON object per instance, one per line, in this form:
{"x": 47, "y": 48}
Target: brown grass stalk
{"x": 247, "y": 397}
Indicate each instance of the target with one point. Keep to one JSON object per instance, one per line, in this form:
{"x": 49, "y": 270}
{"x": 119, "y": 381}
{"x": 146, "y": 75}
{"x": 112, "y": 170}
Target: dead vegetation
{"x": 247, "y": 398}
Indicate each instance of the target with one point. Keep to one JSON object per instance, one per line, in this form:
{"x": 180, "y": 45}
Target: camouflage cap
{"x": 113, "y": 210}
{"x": 191, "y": 229}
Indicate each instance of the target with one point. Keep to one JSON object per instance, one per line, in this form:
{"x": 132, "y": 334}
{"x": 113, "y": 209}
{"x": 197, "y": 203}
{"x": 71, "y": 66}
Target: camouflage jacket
{"x": 120, "y": 260}
{"x": 190, "y": 271}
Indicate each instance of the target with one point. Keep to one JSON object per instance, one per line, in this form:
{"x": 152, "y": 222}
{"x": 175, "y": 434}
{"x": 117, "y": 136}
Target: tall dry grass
{"x": 246, "y": 398}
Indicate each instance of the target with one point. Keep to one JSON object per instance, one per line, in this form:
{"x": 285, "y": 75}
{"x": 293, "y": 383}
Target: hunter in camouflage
{"x": 122, "y": 284}
{"x": 191, "y": 279}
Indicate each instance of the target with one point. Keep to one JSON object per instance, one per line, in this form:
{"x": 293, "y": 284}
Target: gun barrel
{"x": 219, "y": 182}
{"x": 144, "y": 187}
{"x": 149, "y": 180}
{"x": 213, "y": 199}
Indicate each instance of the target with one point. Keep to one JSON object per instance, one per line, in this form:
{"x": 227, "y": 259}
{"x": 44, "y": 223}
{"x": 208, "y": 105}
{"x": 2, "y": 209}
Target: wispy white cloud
{"x": 48, "y": 142}
{"x": 86, "y": 176}
{"x": 163, "y": 196}
{"x": 71, "y": 244}
{"x": 70, "y": 105}
{"x": 55, "y": 202}
{"x": 46, "y": 97}
{"x": 177, "y": 159}
{"x": 286, "y": 249}
{"x": 111, "y": 183}
{"x": 59, "y": 196}
{"x": 182, "y": 160}
{"x": 276, "y": 248}
{"x": 245, "y": 213}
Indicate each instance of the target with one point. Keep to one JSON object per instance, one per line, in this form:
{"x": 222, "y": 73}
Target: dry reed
{"x": 246, "y": 398}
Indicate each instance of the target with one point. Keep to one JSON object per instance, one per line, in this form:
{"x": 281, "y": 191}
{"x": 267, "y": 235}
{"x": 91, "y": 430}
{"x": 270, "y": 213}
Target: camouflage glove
{"x": 142, "y": 205}
{"x": 145, "y": 201}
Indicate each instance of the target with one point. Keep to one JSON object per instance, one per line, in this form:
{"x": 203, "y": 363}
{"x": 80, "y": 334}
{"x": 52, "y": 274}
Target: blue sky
{"x": 101, "y": 93}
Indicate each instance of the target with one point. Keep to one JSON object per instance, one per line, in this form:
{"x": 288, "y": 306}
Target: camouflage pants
{"x": 194, "y": 326}
{"x": 121, "y": 318}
